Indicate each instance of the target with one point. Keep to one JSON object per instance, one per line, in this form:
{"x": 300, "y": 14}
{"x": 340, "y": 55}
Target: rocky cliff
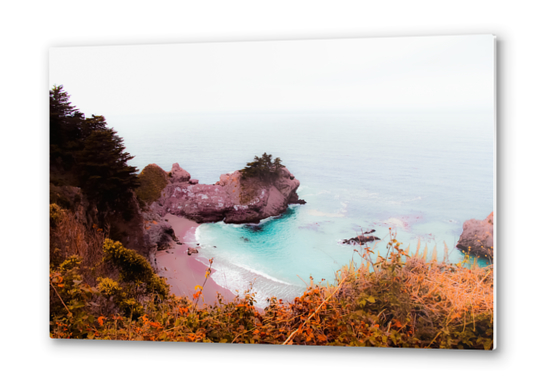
{"x": 477, "y": 237}
{"x": 233, "y": 199}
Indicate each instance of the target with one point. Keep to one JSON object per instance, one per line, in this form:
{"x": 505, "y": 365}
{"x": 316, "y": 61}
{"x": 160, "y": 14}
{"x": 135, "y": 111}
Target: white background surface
{"x": 29, "y": 29}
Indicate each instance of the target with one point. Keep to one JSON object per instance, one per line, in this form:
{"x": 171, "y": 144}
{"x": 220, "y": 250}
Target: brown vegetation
{"x": 399, "y": 300}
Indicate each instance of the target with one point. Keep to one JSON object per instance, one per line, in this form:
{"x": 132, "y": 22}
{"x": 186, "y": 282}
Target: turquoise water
{"x": 422, "y": 174}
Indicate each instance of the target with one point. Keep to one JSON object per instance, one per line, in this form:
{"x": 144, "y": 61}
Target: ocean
{"x": 420, "y": 173}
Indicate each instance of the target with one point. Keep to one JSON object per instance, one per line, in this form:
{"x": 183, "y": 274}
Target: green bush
{"x": 134, "y": 269}
{"x": 153, "y": 180}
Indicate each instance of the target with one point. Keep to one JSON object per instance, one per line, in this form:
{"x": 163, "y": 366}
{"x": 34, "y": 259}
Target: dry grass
{"x": 445, "y": 289}
{"x": 426, "y": 293}
{"x": 399, "y": 300}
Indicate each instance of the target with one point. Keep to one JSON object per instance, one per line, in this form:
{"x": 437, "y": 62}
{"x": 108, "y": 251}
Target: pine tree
{"x": 90, "y": 155}
{"x": 65, "y": 128}
{"x": 102, "y": 167}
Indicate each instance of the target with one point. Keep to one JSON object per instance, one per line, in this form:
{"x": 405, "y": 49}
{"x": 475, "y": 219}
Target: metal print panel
{"x": 321, "y": 192}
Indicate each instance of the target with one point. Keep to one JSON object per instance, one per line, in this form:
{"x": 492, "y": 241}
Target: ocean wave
{"x": 238, "y": 278}
{"x": 225, "y": 225}
{"x": 225, "y": 261}
{"x": 266, "y": 220}
{"x": 262, "y": 274}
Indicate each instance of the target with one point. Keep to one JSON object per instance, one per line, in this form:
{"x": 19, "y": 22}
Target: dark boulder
{"x": 361, "y": 239}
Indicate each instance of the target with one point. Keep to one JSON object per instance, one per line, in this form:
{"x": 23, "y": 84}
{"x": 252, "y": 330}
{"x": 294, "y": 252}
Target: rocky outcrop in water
{"x": 233, "y": 199}
{"x": 361, "y": 239}
{"x": 477, "y": 237}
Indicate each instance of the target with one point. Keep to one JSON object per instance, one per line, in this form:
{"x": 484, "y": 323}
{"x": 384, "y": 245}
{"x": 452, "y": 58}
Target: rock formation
{"x": 361, "y": 239}
{"x": 477, "y": 237}
{"x": 232, "y": 199}
{"x": 178, "y": 175}
{"x": 159, "y": 234}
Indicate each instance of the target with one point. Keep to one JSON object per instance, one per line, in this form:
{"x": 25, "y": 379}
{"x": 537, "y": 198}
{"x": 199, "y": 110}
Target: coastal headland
{"x": 232, "y": 199}
{"x": 181, "y": 204}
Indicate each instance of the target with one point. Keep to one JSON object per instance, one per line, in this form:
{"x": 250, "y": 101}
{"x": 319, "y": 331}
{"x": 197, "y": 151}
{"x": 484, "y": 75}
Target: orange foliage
{"x": 398, "y": 301}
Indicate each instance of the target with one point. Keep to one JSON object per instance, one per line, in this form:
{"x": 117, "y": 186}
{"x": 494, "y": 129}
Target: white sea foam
{"x": 268, "y": 219}
{"x": 262, "y": 274}
{"x": 224, "y": 225}
{"x": 239, "y": 278}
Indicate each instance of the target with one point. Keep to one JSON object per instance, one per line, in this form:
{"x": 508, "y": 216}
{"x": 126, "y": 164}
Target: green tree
{"x": 102, "y": 167}
{"x": 263, "y": 168}
{"x": 89, "y": 154}
{"x": 65, "y": 128}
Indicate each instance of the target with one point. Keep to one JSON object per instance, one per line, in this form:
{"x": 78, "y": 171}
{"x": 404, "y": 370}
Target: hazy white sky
{"x": 452, "y": 72}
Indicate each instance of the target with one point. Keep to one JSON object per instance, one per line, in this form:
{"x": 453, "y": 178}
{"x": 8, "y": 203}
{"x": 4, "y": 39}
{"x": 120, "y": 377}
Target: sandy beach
{"x": 184, "y": 272}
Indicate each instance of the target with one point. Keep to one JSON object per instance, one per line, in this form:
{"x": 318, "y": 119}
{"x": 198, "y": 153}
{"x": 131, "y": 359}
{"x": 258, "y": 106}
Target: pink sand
{"x": 184, "y": 272}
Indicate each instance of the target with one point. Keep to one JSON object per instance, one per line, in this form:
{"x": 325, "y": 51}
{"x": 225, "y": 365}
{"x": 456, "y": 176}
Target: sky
{"x": 404, "y": 73}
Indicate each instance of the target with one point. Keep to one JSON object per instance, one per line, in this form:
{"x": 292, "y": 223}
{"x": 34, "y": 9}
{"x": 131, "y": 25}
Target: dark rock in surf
{"x": 254, "y": 228}
{"x": 361, "y": 239}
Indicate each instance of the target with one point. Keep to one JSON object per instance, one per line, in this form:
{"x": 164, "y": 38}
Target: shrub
{"x": 75, "y": 305}
{"x": 153, "y": 180}
{"x": 69, "y": 299}
{"x": 108, "y": 287}
{"x": 134, "y": 269}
